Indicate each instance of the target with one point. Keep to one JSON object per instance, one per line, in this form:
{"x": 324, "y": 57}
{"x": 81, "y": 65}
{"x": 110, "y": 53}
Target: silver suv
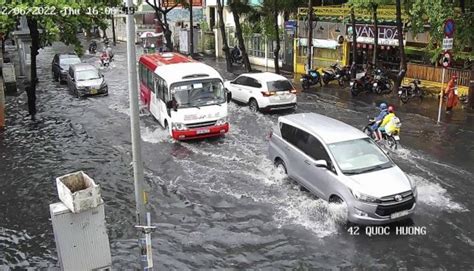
{"x": 341, "y": 164}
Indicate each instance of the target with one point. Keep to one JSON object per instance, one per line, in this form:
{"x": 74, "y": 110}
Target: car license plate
{"x": 399, "y": 92}
{"x": 202, "y": 131}
{"x": 93, "y": 91}
{"x": 397, "y": 138}
{"x": 399, "y": 214}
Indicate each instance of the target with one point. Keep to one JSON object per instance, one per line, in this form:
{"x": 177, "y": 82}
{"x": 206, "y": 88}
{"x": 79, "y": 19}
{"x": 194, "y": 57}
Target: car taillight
{"x": 267, "y": 94}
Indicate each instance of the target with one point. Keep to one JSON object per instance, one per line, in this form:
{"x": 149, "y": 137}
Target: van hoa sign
{"x": 388, "y": 35}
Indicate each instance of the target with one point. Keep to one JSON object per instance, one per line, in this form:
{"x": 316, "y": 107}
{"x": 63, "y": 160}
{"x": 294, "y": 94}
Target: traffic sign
{"x": 449, "y": 28}
{"x": 446, "y": 59}
{"x": 290, "y": 25}
{"x": 447, "y": 44}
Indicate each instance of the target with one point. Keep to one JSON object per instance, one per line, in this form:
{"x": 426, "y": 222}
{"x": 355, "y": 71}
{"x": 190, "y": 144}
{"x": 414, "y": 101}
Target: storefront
{"x": 387, "y": 53}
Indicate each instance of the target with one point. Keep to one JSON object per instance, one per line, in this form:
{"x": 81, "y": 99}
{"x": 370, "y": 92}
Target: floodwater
{"x": 219, "y": 203}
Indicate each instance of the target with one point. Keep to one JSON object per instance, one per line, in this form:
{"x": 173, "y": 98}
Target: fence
{"x": 255, "y": 44}
{"x": 434, "y": 74}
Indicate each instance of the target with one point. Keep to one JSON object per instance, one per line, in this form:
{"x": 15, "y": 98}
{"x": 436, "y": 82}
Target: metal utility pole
{"x": 191, "y": 29}
{"x": 142, "y": 219}
{"x": 310, "y": 35}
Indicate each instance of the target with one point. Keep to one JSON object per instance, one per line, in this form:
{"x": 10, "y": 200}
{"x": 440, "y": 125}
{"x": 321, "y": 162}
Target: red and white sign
{"x": 446, "y": 59}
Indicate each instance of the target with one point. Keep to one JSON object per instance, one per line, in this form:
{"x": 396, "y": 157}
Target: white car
{"x": 264, "y": 91}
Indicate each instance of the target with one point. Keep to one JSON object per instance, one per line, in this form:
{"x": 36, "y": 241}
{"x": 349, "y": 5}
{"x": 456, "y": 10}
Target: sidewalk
{"x": 427, "y": 108}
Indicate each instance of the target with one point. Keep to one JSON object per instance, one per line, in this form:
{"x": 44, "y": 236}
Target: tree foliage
{"x": 433, "y": 13}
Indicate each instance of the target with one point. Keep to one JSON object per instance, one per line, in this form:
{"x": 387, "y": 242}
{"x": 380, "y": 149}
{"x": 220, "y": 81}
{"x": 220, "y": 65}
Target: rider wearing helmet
{"x": 380, "y": 117}
{"x": 390, "y": 124}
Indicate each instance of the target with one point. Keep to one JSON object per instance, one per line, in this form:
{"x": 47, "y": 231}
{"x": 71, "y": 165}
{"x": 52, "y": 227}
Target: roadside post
{"x": 143, "y": 220}
{"x": 2, "y": 104}
{"x": 79, "y": 224}
{"x": 446, "y": 57}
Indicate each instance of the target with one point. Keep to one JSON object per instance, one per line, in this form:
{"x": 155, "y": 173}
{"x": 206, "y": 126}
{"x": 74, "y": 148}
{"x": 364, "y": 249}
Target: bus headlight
{"x": 179, "y": 126}
{"x": 221, "y": 121}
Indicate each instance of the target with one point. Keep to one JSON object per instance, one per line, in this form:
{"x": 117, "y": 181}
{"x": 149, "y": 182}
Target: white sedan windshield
{"x": 358, "y": 156}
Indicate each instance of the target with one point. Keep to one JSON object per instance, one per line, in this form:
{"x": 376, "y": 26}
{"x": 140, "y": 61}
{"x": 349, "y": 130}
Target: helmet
{"x": 391, "y": 109}
{"x": 383, "y": 106}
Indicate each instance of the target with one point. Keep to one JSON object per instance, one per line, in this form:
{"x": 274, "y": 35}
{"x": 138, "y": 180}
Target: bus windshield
{"x": 198, "y": 93}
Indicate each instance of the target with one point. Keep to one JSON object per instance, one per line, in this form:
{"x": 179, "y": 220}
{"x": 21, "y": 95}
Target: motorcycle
{"x": 105, "y": 59}
{"x": 382, "y": 84}
{"x": 360, "y": 85}
{"x": 413, "y": 90}
{"x": 236, "y": 57}
{"x": 312, "y": 78}
{"x": 393, "y": 140}
{"x": 336, "y": 73}
{"x": 93, "y": 47}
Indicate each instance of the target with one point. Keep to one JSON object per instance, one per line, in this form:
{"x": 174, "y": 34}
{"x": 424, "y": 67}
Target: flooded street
{"x": 219, "y": 203}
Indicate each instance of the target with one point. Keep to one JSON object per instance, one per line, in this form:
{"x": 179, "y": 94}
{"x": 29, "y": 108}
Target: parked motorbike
{"x": 312, "y": 78}
{"x": 360, "y": 85}
{"x": 336, "y": 73}
{"x": 413, "y": 90}
{"x": 392, "y": 140}
{"x": 236, "y": 56}
{"x": 381, "y": 84}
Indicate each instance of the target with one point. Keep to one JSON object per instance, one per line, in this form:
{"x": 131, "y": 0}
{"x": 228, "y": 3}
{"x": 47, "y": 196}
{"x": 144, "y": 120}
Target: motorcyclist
{"x": 93, "y": 47}
{"x": 104, "y": 56}
{"x": 390, "y": 124}
{"x": 380, "y": 117}
{"x": 236, "y": 53}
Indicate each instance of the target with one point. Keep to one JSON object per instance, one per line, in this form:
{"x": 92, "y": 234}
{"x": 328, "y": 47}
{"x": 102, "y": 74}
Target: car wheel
{"x": 280, "y": 166}
{"x": 253, "y": 105}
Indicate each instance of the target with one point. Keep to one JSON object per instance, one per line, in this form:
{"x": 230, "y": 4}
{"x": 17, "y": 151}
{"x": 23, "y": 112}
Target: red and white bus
{"x": 187, "y": 97}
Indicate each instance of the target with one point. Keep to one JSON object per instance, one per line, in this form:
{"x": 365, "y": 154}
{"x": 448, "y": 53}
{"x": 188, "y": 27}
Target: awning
{"x": 145, "y": 35}
{"x": 319, "y": 43}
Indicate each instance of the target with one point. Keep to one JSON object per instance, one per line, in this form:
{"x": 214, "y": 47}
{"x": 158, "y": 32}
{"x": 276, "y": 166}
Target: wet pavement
{"x": 219, "y": 203}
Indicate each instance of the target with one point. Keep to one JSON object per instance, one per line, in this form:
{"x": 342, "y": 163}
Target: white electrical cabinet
{"x": 81, "y": 238}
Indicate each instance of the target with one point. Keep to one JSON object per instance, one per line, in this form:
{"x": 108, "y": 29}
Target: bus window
{"x": 166, "y": 96}
{"x": 150, "y": 80}
{"x": 162, "y": 90}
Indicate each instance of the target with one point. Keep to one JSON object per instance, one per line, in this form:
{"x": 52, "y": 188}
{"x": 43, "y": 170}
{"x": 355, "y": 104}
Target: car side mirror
{"x": 73, "y": 80}
{"x": 232, "y": 82}
{"x": 321, "y": 163}
{"x": 172, "y": 105}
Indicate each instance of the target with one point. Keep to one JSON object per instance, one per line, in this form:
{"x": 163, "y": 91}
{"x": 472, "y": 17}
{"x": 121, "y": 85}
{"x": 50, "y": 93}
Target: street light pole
{"x": 142, "y": 219}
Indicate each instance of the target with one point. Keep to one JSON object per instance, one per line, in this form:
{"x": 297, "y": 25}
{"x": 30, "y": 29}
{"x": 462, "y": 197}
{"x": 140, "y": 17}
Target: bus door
{"x": 161, "y": 97}
{"x": 154, "y": 100}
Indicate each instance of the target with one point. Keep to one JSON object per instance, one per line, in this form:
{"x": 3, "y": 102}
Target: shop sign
{"x": 367, "y": 31}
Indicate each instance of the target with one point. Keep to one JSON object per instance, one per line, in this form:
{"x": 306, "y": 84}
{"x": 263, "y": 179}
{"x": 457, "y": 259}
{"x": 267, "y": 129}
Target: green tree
{"x": 7, "y": 24}
{"x": 225, "y": 47}
{"x": 55, "y": 26}
{"x": 373, "y": 6}
{"x": 401, "y": 47}
{"x": 162, "y": 8}
{"x": 434, "y": 13}
{"x": 272, "y": 9}
{"x": 239, "y": 8}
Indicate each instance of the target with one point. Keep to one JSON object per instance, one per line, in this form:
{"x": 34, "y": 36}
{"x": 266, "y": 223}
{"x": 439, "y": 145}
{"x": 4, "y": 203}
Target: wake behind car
{"x": 61, "y": 63}
{"x": 84, "y": 79}
{"x": 339, "y": 163}
{"x": 263, "y": 91}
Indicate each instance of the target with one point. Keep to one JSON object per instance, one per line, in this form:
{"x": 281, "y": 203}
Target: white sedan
{"x": 264, "y": 91}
